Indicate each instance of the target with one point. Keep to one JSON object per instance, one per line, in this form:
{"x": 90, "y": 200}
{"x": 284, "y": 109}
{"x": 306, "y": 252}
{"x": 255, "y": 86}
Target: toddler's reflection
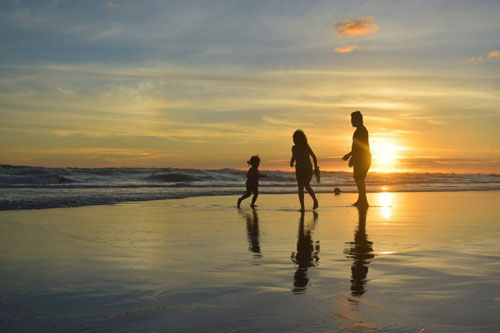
{"x": 253, "y": 232}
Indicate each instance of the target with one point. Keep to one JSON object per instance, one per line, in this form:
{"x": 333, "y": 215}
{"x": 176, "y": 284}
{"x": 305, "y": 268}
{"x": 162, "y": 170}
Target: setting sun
{"x": 385, "y": 155}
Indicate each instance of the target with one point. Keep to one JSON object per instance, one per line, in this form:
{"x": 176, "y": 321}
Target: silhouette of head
{"x": 356, "y": 119}
{"x": 299, "y": 138}
{"x": 254, "y": 161}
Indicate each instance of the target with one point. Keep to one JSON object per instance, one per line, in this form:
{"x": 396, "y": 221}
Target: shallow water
{"x": 411, "y": 262}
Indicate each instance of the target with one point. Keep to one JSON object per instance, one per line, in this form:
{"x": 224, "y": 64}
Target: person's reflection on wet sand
{"x": 361, "y": 251}
{"x": 252, "y": 232}
{"x": 307, "y": 254}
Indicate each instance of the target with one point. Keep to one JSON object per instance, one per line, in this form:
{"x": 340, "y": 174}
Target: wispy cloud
{"x": 346, "y": 48}
{"x": 356, "y": 27}
{"x": 475, "y": 60}
{"x": 494, "y": 54}
{"x": 167, "y": 109}
{"x": 443, "y": 164}
{"x": 479, "y": 59}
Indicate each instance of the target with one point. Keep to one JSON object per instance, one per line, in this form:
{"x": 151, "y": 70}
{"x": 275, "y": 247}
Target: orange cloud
{"x": 358, "y": 27}
{"x": 475, "y": 60}
{"x": 494, "y": 54}
{"x": 111, "y": 4}
{"x": 346, "y": 48}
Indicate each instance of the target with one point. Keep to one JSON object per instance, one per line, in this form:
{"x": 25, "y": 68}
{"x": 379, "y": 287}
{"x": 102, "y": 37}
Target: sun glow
{"x": 385, "y": 155}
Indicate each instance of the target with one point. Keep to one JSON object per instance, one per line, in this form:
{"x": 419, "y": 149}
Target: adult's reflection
{"x": 307, "y": 254}
{"x": 253, "y": 232}
{"x": 361, "y": 251}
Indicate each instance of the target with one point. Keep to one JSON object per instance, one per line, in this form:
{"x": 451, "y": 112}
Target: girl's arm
{"x": 315, "y": 160}
{"x": 316, "y": 168}
{"x": 292, "y": 160}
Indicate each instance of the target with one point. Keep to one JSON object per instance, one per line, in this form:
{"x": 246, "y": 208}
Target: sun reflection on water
{"x": 386, "y": 203}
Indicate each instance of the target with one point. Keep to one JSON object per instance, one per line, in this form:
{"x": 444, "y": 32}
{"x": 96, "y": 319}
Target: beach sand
{"x": 413, "y": 262}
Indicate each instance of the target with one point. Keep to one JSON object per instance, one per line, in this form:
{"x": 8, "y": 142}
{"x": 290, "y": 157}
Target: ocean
{"x": 23, "y": 187}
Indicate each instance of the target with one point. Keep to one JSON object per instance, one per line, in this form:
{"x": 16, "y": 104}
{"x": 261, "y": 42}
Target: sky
{"x": 207, "y": 84}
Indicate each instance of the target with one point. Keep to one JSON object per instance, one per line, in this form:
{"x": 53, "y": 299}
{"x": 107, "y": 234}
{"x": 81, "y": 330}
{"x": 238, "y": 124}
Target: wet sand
{"x": 411, "y": 262}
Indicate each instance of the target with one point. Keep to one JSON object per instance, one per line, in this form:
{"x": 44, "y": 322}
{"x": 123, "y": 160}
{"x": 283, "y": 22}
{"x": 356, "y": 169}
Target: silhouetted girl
{"x": 252, "y": 181}
{"x": 301, "y": 153}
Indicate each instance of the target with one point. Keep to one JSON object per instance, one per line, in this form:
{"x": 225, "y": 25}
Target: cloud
{"x": 443, "y": 164}
{"x": 475, "y": 60}
{"x": 357, "y": 27}
{"x": 479, "y": 59}
{"x": 346, "y": 48}
{"x": 494, "y": 54}
{"x": 193, "y": 108}
{"x": 111, "y": 4}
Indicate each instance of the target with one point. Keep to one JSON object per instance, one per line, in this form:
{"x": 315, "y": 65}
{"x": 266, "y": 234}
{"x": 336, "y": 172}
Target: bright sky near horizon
{"x": 207, "y": 84}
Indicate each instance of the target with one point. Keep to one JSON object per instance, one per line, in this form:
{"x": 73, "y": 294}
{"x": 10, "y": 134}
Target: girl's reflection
{"x": 361, "y": 251}
{"x": 306, "y": 255}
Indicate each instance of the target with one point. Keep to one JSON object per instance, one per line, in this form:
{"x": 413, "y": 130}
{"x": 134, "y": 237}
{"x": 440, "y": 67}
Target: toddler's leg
{"x": 243, "y": 197}
{"x": 255, "y": 195}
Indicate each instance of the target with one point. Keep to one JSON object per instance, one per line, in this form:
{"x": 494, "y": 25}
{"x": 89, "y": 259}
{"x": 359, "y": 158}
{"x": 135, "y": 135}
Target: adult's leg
{"x": 255, "y": 195}
{"x": 362, "y": 200}
{"x": 311, "y": 193}
{"x": 357, "y": 186}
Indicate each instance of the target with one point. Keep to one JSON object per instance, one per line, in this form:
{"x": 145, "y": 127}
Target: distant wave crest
{"x": 172, "y": 177}
{"x": 36, "y": 179}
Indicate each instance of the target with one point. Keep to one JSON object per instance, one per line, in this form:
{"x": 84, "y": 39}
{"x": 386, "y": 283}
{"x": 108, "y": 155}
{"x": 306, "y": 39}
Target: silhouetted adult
{"x": 359, "y": 157}
{"x": 361, "y": 252}
{"x": 301, "y": 153}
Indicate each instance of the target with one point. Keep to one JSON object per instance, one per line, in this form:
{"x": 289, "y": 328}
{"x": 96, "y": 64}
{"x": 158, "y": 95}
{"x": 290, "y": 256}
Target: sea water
{"x": 23, "y": 187}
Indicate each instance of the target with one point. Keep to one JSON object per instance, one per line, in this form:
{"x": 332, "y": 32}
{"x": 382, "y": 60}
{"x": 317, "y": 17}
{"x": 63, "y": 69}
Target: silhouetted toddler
{"x": 252, "y": 181}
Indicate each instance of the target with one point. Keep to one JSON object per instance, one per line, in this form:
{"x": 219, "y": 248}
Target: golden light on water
{"x": 385, "y": 200}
